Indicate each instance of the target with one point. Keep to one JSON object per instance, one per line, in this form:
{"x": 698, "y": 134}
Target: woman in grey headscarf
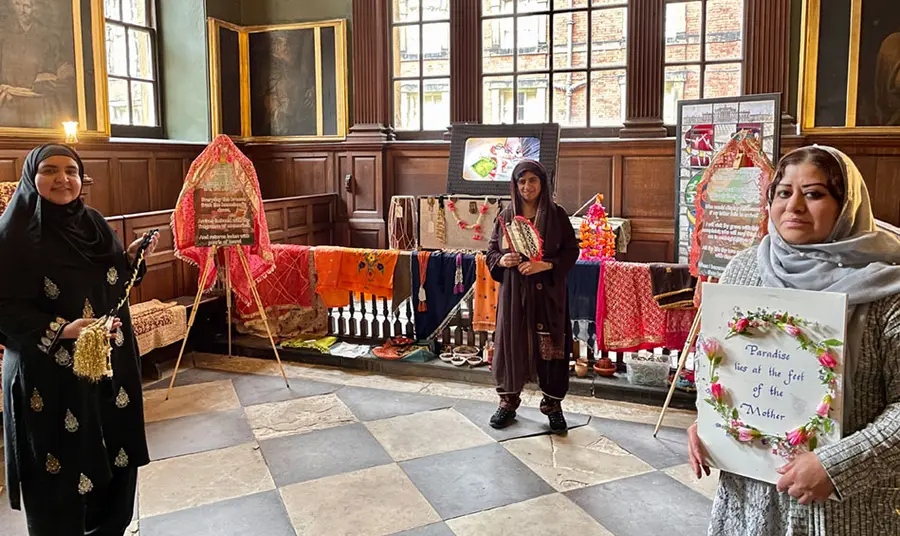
{"x": 823, "y": 237}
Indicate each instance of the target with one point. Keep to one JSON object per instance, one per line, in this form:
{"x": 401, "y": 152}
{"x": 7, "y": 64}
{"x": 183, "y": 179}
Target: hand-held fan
{"x": 523, "y": 238}
{"x": 92, "y": 349}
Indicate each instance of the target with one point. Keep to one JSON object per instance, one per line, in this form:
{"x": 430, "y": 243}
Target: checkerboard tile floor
{"x": 237, "y": 453}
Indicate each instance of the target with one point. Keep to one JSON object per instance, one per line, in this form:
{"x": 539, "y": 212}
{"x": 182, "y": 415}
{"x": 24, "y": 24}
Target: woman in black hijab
{"x": 533, "y": 339}
{"x": 72, "y": 446}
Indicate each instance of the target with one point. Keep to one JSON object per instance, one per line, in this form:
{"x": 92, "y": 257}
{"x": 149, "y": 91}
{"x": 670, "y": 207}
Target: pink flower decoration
{"x": 451, "y": 205}
{"x": 716, "y": 390}
{"x": 745, "y": 434}
{"x": 793, "y": 331}
{"x": 483, "y": 209}
{"x": 477, "y": 227}
{"x": 741, "y": 325}
{"x": 828, "y": 359}
{"x": 462, "y": 224}
{"x": 711, "y": 347}
{"x": 823, "y": 409}
{"x": 797, "y": 437}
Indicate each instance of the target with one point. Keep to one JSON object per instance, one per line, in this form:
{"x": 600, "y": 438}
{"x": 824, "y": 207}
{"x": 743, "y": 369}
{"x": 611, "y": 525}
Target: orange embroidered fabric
{"x": 486, "y": 292}
{"x": 344, "y": 270}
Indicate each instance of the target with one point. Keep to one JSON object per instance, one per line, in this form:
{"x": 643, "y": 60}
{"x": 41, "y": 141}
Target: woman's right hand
{"x": 696, "y": 452}
{"x": 73, "y": 329}
{"x": 510, "y": 260}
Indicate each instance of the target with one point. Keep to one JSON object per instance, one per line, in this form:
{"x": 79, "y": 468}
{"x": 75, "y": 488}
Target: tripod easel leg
{"x": 228, "y": 298}
{"x": 262, "y": 311}
{"x": 692, "y": 338}
{"x": 209, "y": 259}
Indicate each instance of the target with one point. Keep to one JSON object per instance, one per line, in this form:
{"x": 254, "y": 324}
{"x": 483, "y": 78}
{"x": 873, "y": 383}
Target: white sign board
{"x": 766, "y": 378}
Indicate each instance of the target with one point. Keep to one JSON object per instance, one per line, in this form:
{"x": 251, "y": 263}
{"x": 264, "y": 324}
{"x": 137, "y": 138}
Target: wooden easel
{"x": 262, "y": 311}
{"x": 688, "y": 344}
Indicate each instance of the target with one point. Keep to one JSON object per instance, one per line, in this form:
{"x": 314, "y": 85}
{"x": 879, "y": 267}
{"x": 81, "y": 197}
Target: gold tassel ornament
{"x": 92, "y": 359}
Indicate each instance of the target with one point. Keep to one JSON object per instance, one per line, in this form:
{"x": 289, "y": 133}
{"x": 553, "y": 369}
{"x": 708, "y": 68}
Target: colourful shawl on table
{"x": 438, "y": 286}
{"x": 673, "y": 285}
{"x": 157, "y": 324}
{"x": 287, "y": 287}
{"x": 259, "y": 256}
{"x": 343, "y": 271}
{"x": 486, "y": 290}
{"x": 631, "y": 320}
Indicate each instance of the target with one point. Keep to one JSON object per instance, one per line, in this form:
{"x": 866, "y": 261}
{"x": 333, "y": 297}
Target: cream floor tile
{"x": 297, "y": 416}
{"x": 377, "y": 501}
{"x": 134, "y": 529}
{"x": 626, "y": 411}
{"x": 550, "y": 514}
{"x": 205, "y": 478}
{"x": 424, "y": 434}
{"x": 391, "y": 383}
{"x": 706, "y": 485}
{"x": 190, "y": 400}
{"x": 580, "y": 459}
{"x": 461, "y": 390}
{"x": 247, "y": 365}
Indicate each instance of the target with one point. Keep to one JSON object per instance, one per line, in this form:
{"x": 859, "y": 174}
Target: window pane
{"x": 570, "y": 99}
{"x": 607, "y": 98}
{"x": 496, "y": 7}
{"x": 682, "y": 83}
{"x": 143, "y": 104}
{"x": 722, "y": 80}
{"x": 497, "y": 45}
{"x": 570, "y": 40}
{"x": 406, "y": 105}
{"x": 112, "y": 9}
{"x": 610, "y": 2}
{"x": 609, "y": 37}
{"x": 529, "y": 6}
{"x": 435, "y": 9}
{"x": 116, "y": 50}
{"x": 498, "y": 100}
{"x": 135, "y": 12}
{"x": 533, "y": 99}
{"x": 140, "y": 54}
{"x": 119, "y": 113}
{"x": 436, "y": 48}
{"x": 406, "y": 50}
{"x": 683, "y": 31}
{"x": 724, "y": 22}
{"x": 532, "y": 42}
{"x": 436, "y": 104}
{"x": 566, "y": 4}
{"x": 406, "y": 10}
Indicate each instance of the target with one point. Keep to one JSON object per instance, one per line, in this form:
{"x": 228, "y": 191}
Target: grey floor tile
{"x": 376, "y": 404}
{"x": 303, "y": 457}
{"x": 262, "y": 513}
{"x": 193, "y": 376}
{"x": 653, "y": 503}
{"x": 529, "y": 421}
{"x": 468, "y": 481}
{"x": 197, "y": 433}
{"x": 667, "y": 449}
{"x": 258, "y": 389}
{"x": 438, "y": 529}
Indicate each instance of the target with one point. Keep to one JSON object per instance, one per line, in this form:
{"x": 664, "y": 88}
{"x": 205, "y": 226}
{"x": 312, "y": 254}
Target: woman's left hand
{"x": 531, "y": 268}
{"x": 805, "y": 479}
{"x": 133, "y": 248}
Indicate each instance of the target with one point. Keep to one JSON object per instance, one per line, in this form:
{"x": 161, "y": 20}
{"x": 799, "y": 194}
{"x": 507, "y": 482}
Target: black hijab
{"x": 35, "y": 231}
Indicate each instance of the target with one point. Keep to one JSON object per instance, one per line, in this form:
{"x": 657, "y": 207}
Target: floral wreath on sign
{"x": 761, "y": 321}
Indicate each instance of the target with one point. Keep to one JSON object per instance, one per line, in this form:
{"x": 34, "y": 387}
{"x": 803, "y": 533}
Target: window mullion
{"x": 421, "y": 102}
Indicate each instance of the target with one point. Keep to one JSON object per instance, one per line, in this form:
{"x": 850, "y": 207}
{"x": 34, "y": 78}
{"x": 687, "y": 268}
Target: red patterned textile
{"x": 678, "y": 327}
{"x": 631, "y": 319}
{"x": 289, "y": 285}
{"x": 259, "y": 256}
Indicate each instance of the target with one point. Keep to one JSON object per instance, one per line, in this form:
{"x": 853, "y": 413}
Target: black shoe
{"x": 558, "y": 423}
{"x": 502, "y": 418}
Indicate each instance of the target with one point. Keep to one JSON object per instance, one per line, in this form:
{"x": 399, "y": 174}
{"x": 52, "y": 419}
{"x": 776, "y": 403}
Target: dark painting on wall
{"x": 878, "y": 103}
{"x": 283, "y": 83}
{"x": 230, "y": 69}
{"x": 38, "y": 87}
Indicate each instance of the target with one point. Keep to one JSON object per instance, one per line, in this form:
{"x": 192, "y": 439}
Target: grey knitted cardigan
{"x": 864, "y": 466}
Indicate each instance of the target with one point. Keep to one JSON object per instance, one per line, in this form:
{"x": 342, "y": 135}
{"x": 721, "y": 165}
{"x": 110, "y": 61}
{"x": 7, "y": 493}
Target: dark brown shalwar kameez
{"x": 532, "y": 308}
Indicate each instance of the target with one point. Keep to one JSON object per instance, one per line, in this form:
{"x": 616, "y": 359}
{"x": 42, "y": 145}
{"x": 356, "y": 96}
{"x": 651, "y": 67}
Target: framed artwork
{"x": 52, "y": 68}
{"x": 858, "y": 88}
{"x": 279, "y": 83}
{"x": 704, "y": 127}
{"x": 482, "y": 157}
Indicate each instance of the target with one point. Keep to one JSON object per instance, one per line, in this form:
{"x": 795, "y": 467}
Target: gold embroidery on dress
{"x": 122, "y": 459}
{"x": 46, "y": 342}
{"x": 120, "y": 337}
{"x": 112, "y": 276}
{"x": 50, "y": 289}
{"x": 53, "y": 465}
{"x": 54, "y": 326}
{"x": 37, "y": 403}
{"x": 84, "y": 485}
{"x": 71, "y": 422}
{"x": 122, "y": 399}
{"x": 63, "y": 357}
{"x": 88, "y": 311}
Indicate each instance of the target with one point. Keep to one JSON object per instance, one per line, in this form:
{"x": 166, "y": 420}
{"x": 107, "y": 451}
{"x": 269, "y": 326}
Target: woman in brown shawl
{"x": 534, "y": 335}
